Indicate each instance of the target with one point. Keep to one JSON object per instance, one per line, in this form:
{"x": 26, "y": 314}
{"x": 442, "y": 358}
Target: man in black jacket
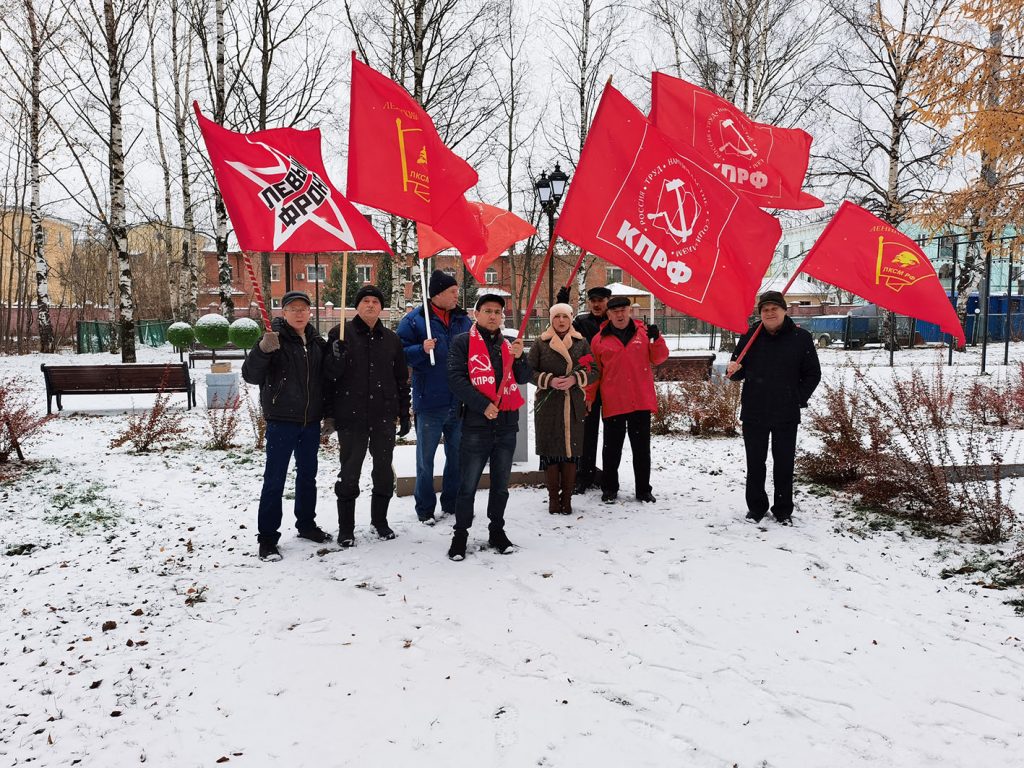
{"x": 780, "y": 373}
{"x": 368, "y": 393}
{"x": 485, "y": 373}
{"x": 589, "y": 323}
{"x": 287, "y": 364}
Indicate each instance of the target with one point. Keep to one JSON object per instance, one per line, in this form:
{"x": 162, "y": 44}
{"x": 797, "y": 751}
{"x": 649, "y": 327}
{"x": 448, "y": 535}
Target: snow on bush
{"x": 212, "y": 330}
{"x": 180, "y": 335}
{"x": 17, "y": 420}
{"x": 245, "y": 332}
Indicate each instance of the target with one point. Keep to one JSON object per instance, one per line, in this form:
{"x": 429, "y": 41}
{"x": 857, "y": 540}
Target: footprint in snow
{"x": 506, "y": 727}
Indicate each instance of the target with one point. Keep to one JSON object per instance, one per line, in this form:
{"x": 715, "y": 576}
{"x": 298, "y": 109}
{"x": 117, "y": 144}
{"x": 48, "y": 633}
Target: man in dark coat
{"x": 779, "y": 372}
{"x": 433, "y": 403}
{"x": 485, "y": 373}
{"x": 368, "y": 393}
{"x": 287, "y": 364}
{"x": 589, "y": 323}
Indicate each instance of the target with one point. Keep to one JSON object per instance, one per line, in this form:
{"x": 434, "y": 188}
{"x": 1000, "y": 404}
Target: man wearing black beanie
{"x": 432, "y": 401}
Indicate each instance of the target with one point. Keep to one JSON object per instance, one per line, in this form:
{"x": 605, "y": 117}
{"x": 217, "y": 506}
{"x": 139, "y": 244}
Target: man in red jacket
{"x": 626, "y": 352}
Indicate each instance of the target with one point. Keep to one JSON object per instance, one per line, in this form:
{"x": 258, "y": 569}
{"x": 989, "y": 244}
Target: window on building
{"x": 614, "y": 275}
{"x": 785, "y": 251}
{"x": 490, "y": 276}
{"x": 275, "y": 273}
{"x": 363, "y": 273}
{"x": 275, "y": 303}
{"x": 316, "y": 274}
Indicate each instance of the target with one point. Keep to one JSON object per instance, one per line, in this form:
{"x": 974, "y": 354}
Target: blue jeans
{"x": 283, "y": 439}
{"x": 479, "y": 448}
{"x": 430, "y": 425}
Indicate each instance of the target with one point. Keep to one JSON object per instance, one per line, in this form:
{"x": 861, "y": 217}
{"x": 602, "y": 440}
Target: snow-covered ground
{"x": 670, "y": 634}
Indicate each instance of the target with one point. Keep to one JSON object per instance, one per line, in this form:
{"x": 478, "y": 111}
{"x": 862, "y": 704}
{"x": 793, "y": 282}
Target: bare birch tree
{"x": 98, "y": 67}
{"x": 33, "y": 32}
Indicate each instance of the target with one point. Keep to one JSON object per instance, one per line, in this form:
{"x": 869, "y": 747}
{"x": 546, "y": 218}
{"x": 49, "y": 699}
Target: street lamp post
{"x": 550, "y": 190}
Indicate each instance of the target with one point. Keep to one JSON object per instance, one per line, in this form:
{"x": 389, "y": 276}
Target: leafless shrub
{"x": 223, "y": 423}
{"x": 148, "y": 429}
{"x": 670, "y": 415}
{"x": 17, "y": 422}
{"x": 256, "y": 420}
{"x": 711, "y": 405}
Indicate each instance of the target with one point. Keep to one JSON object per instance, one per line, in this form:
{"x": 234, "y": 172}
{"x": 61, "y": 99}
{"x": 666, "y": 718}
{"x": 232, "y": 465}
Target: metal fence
{"x": 94, "y": 335}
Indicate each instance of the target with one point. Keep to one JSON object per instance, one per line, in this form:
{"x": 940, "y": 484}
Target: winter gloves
{"x": 404, "y": 425}
{"x": 338, "y": 349}
{"x": 270, "y": 342}
{"x": 563, "y": 295}
{"x": 653, "y": 333}
{"x": 329, "y": 427}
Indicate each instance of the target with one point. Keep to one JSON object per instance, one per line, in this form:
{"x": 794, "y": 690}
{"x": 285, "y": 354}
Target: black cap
{"x": 599, "y": 292}
{"x": 771, "y": 297}
{"x": 439, "y": 282}
{"x": 618, "y": 301}
{"x": 485, "y": 298}
{"x": 370, "y": 290}
{"x": 291, "y": 296}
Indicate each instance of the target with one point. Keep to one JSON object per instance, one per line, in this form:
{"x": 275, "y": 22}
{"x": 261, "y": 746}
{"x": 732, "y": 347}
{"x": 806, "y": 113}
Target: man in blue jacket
{"x": 435, "y": 407}
{"x": 485, "y": 373}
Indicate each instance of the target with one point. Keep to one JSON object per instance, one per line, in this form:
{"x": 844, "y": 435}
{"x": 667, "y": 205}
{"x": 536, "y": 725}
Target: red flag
{"x": 860, "y": 253}
{"x": 278, "y": 194}
{"x": 641, "y": 203}
{"x": 761, "y": 161}
{"x": 504, "y": 229}
{"x": 398, "y": 163}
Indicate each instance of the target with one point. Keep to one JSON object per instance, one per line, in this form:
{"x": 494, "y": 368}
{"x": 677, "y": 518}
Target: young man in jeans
{"x": 484, "y": 373}
{"x": 287, "y": 364}
{"x": 435, "y": 407}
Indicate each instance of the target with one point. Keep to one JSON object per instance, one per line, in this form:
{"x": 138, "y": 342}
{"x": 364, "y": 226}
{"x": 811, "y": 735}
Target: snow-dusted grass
{"x": 670, "y": 634}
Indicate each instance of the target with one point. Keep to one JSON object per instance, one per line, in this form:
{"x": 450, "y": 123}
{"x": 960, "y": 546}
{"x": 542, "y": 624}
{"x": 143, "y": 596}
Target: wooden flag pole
{"x": 536, "y": 287}
{"x": 344, "y": 300}
{"x": 426, "y": 301}
{"x": 257, "y": 292}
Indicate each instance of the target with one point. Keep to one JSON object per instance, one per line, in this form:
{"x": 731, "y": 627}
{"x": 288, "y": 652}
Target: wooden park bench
{"x": 685, "y": 367}
{"x": 230, "y": 352}
{"x": 141, "y": 378}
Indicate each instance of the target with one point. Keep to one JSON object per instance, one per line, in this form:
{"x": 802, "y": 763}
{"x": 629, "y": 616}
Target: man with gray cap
{"x": 780, "y": 372}
{"x": 433, "y": 403}
{"x": 367, "y": 394}
{"x": 287, "y": 364}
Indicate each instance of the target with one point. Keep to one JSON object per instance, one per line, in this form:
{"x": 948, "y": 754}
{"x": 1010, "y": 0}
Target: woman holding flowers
{"x": 562, "y": 368}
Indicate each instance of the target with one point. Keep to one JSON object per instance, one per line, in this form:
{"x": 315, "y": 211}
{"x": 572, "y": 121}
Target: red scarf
{"x": 481, "y": 373}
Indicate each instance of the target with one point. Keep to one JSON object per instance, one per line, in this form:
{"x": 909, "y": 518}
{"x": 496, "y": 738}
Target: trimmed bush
{"x": 244, "y": 333}
{"x": 180, "y": 335}
{"x": 212, "y": 330}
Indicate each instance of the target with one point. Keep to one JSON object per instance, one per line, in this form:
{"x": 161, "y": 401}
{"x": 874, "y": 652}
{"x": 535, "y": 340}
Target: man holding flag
{"x": 780, "y": 372}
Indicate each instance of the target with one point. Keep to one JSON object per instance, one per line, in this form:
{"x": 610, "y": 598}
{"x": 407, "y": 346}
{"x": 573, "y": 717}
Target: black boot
{"x": 379, "y": 517}
{"x": 347, "y": 522}
{"x": 567, "y": 473}
{"x": 552, "y": 478}
{"x": 457, "y": 551}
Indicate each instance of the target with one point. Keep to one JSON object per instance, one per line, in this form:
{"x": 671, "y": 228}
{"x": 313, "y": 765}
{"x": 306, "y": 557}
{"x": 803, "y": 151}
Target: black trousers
{"x": 637, "y": 425}
{"x": 591, "y": 428}
{"x": 353, "y": 442}
{"x": 783, "y": 442}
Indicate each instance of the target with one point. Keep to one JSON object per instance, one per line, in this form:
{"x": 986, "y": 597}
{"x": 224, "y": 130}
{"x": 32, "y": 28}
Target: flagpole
{"x": 575, "y": 269}
{"x": 536, "y": 286}
{"x": 426, "y": 309}
{"x": 257, "y": 293}
{"x": 344, "y": 291}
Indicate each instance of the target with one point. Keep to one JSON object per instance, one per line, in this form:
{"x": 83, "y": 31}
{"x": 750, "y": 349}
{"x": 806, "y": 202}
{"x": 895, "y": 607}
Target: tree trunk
{"x": 168, "y": 224}
{"x": 188, "y": 282}
{"x": 46, "y": 340}
{"x": 227, "y": 304}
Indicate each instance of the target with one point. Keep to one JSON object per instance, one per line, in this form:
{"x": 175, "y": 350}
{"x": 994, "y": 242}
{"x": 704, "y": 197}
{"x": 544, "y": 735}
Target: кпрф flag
{"x": 278, "y": 195}
{"x": 860, "y": 253}
{"x": 765, "y": 163}
{"x": 642, "y": 203}
{"x": 398, "y": 163}
{"x": 504, "y": 229}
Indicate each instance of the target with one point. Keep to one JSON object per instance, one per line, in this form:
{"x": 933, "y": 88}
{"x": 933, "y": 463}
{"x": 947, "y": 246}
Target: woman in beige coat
{"x": 562, "y": 368}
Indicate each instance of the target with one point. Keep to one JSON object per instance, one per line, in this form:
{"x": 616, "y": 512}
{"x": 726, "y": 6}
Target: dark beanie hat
{"x": 485, "y": 298}
{"x": 370, "y": 290}
{"x": 599, "y": 292}
{"x": 439, "y": 281}
{"x": 771, "y": 297}
{"x": 291, "y": 296}
{"x": 618, "y": 301}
